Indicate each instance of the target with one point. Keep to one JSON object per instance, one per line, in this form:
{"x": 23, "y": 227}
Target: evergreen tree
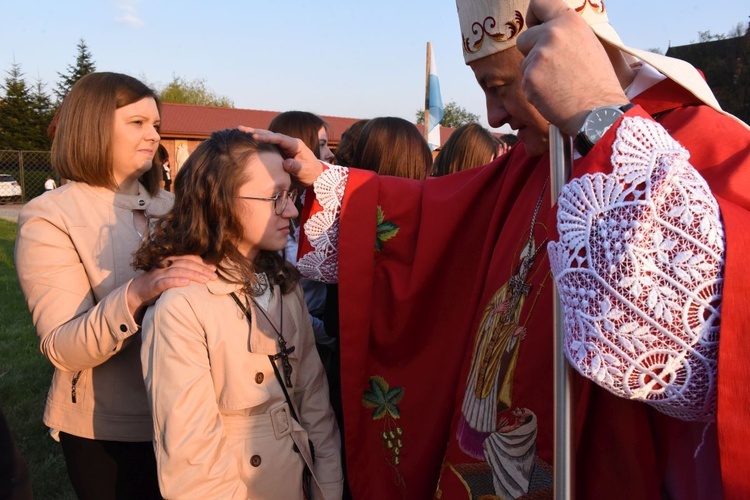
{"x": 44, "y": 110}
{"x": 83, "y": 66}
{"x": 17, "y": 116}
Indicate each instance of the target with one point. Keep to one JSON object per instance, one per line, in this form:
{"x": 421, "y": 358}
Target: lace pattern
{"x": 639, "y": 269}
{"x": 322, "y": 228}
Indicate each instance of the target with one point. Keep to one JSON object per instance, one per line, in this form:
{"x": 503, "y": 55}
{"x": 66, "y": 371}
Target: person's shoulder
{"x": 296, "y": 294}
{"x": 194, "y": 294}
{"x": 50, "y": 204}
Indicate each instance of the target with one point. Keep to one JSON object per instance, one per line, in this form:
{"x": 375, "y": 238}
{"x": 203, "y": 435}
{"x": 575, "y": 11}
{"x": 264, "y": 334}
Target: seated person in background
{"x": 237, "y": 390}
{"x": 49, "y": 184}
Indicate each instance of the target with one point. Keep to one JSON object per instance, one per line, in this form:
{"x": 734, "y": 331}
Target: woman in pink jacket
{"x": 236, "y": 386}
{"x": 74, "y": 252}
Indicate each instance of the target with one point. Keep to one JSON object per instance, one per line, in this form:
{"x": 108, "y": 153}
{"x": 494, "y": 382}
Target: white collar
{"x": 646, "y": 77}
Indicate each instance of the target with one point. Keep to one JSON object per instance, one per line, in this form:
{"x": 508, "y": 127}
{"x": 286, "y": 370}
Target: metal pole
{"x": 21, "y": 177}
{"x": 427, "y": 93}
{"x": 561, "y": 161}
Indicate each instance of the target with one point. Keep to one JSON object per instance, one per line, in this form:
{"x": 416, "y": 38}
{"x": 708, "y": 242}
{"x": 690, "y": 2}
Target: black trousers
{"x": 110, "y": 470}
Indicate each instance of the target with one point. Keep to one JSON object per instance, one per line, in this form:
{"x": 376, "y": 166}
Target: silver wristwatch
{"x": 596, "y": 125}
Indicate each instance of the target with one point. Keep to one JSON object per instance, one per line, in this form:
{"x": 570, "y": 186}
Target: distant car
{"x": 10, "y": 190}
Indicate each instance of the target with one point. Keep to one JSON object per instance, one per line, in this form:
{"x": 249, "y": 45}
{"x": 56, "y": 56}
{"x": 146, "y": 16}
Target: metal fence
{"x": 23, "y": 174}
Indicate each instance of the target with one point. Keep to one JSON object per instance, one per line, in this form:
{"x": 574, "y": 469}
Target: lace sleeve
{"x": 322, "y": 228}
{"x": 639, "y": 267}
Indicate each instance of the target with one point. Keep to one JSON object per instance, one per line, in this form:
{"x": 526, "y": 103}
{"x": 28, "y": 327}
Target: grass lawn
{"x": 25, "y": 376}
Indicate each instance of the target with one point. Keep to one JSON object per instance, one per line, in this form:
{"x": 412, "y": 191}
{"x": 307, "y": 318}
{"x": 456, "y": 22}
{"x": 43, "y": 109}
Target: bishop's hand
{"x": 566, "y": 71}
{"x": 299, "y": 162}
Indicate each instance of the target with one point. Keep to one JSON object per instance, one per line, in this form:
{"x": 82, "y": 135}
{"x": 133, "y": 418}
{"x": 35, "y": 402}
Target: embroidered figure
{"x": 491, "y": 428}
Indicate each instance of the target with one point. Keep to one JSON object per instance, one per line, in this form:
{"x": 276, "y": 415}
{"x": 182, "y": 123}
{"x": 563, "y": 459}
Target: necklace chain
{"x": 284, "y": 352}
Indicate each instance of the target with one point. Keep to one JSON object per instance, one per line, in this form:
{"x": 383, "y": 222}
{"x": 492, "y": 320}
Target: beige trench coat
{"x": 221, "y": 423}
{"x": 74, "y": 254}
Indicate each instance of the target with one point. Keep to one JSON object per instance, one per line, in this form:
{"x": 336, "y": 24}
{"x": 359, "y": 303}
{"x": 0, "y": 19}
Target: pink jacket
{"x": 74, "y": 254}
{"x": 221, "y": 422}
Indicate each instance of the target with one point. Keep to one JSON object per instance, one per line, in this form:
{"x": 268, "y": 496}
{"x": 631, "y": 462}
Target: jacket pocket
{"x": 73, "y": 387}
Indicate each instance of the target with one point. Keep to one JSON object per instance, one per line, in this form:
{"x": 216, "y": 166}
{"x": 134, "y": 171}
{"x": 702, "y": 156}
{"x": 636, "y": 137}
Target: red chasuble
{"x": 446, "y": 335}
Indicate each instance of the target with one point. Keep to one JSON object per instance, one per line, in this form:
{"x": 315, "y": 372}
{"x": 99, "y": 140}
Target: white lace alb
{"x": 639, "y": 269}
{"x": 322, "y": 228}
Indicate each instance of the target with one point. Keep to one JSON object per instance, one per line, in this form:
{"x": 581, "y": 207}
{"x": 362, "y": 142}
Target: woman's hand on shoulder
{"x": 171, "y": 272}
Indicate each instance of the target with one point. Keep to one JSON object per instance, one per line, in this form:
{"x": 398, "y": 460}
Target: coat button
{"x": 259, "y": 378}
{"x": 123, "y": 328}
{"x": 141, "y": 203}
{"x": 255, "y": 460}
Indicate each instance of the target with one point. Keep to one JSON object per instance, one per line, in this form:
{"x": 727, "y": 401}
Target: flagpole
{"x": 427, "y": 93}
{"x": 561, "y": 160}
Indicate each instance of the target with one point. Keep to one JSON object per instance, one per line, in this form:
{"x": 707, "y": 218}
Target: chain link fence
{"x": 23, "y": 174}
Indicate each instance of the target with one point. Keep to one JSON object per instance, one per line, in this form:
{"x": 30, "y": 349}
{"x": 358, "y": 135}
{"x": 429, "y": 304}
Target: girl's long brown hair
{"x": 205, "y": 219}
{"x": 469, "y": 146}
{"x": 393, "y": 146}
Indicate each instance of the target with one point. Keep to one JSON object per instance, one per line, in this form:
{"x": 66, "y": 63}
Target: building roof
{"x": 187, "y": 121}
{"x": 725, "y": 64}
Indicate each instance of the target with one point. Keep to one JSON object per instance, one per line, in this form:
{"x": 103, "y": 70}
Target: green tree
{"x": 737, "y": 30}
{"x": 453, "y": 116}
{"x": 44, "y": 110}
{"x": 83, "y": 66}
{"x": 181, "y": 91}
{"x": 16, "y": 112}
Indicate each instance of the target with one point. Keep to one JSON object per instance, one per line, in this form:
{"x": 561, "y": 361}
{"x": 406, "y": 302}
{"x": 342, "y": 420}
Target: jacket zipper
{"x": 73, "y": 387}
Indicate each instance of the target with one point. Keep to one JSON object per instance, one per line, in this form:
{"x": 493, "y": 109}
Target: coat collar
{"x": 155, "y": 206}
{"x": 267, "y": 300}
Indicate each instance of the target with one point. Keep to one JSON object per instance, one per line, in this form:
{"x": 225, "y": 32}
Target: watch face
{"x": 599, "y": 121}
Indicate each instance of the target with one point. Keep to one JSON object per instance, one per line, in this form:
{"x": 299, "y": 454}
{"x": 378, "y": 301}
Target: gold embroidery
{"x": 597, "y": 6}
{"x": 510, "y": 30}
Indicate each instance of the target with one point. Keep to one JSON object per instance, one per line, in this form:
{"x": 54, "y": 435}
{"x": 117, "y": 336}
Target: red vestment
{"x": 448, "y": 266}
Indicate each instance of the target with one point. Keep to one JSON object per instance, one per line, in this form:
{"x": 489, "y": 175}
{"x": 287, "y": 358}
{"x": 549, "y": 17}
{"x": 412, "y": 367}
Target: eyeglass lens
{"x": 280, "y": 203}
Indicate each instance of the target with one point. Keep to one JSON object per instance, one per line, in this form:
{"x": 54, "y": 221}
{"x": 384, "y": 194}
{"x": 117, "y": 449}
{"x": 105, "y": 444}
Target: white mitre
{"x": 490, "y": 26}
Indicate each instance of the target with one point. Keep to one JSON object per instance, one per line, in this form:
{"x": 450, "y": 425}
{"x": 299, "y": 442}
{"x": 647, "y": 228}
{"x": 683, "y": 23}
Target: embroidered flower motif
{"x": 385, "y": 230}
{"x": 384, "y": 401}
{"x": 639, "y": 270}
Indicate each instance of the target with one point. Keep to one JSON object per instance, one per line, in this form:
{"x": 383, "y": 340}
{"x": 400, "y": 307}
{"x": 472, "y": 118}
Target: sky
{"x": 331, "y": 57}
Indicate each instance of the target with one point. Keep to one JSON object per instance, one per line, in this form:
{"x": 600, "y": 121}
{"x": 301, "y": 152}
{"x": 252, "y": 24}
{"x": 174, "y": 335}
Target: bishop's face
{"x": 500, "y": 77}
